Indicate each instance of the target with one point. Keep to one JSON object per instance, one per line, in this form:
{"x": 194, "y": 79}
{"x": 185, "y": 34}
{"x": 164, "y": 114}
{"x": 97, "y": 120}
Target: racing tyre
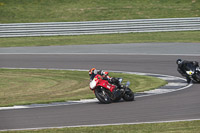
{"x": 198, "y": 77}
{"x": 128, "y": 95}
{"x": 103, "y": 97}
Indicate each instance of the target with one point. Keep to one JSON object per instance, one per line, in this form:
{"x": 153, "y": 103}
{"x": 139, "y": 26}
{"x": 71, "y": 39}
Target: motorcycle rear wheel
{"x": 197, "y": 77}
{"x": 128, "y": 95}
{"x": 103, "y": 98}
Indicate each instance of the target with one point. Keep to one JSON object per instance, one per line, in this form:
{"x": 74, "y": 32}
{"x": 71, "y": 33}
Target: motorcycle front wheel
{"x": 128, "y": 95}
{"x": 103, "y": 95}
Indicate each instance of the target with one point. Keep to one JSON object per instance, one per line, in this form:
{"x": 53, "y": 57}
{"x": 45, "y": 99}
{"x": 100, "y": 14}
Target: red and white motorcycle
{"x": 106, "y": 92}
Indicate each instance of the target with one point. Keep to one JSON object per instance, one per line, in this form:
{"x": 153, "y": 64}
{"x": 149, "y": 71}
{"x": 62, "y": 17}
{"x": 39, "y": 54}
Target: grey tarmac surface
{"x": 134, "y": 48}
{"x": 180, "y": 105}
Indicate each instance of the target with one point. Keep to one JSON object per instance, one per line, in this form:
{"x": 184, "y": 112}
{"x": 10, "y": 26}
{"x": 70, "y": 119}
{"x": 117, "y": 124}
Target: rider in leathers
{"x": 181, "y": 67}
{"x": 93, "y": 72}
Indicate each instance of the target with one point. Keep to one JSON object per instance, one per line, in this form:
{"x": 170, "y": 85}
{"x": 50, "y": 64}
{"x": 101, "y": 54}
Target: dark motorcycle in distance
{"x": 193, "y": 72}
{"x": 106, "y": 92}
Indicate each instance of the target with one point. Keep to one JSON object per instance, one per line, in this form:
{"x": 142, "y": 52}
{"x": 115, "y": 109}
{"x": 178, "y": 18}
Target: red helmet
{"x": 92, "y": 71}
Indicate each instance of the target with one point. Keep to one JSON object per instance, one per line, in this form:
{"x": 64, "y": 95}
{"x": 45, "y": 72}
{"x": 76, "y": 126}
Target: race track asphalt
{"x": 179, "y": 105}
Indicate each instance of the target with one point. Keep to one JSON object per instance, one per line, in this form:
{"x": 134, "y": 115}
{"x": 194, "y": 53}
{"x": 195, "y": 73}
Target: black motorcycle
{"x": 193, "y": 72}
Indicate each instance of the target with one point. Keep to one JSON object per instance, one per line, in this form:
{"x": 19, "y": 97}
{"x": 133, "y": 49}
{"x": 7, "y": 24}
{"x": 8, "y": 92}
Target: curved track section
{"x": 174, "y": 84}
{"x": 179, "y": 105}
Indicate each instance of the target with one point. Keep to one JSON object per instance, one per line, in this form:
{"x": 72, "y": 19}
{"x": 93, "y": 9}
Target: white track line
{"x": 98, "y": 54}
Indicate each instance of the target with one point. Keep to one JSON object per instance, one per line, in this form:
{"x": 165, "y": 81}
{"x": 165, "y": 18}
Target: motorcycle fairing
{"x": 107, "y": 85}
{"x": 190, "y": 72}
{"x": 98, "y": 81}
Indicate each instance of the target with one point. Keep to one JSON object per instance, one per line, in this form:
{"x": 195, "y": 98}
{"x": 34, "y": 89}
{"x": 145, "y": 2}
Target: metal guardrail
{"x": 99, "y": 27}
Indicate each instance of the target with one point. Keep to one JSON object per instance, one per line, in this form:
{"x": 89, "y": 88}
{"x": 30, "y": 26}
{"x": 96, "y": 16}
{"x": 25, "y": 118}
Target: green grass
{"x": 18, "y": 11}
{"x": 171, "y": 127}
{"x": 24, "y": 86}
{"x": 189, "y": 36}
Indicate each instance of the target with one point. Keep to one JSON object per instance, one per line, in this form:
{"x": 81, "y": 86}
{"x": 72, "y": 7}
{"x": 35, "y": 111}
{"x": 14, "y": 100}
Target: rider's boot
{"x": 188, "y": 80}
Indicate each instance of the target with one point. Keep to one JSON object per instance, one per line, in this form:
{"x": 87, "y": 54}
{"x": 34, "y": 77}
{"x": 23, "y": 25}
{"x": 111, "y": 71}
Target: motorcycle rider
{"x": 105, "y": 75}
{"x": 181, "y": 68}
{"x": 93, "y": 72}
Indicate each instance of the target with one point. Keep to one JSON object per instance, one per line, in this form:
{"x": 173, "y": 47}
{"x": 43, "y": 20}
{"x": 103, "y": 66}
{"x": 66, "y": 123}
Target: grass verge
{"x": 27, "y": 86}
{"x": 188, "y": 36}
{"x": 19, "y": 11}
{"x": 170, "y": 127}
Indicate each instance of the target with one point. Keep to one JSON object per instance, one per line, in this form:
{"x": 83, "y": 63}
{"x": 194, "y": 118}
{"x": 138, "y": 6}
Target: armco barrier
{"x": 99, "y": 27}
